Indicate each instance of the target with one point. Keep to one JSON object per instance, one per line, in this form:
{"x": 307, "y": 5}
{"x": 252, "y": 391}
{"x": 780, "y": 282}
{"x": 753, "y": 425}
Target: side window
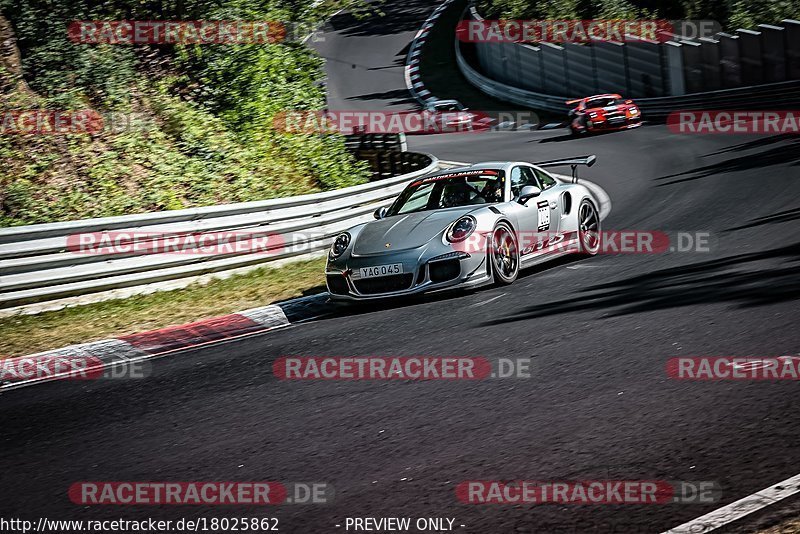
{"x": 516, "y": 181}
{"x": 520, "y": 177}
{"x": 546, "y": 180}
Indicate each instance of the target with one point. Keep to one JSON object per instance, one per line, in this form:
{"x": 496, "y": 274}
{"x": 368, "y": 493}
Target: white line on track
{"x": 736, "y": 510}
{"x": 486, "y": 301}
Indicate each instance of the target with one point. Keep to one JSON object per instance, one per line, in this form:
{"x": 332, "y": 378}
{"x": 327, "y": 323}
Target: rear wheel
{"x": 504, "y": 255}
{"x": 588, "y": 228}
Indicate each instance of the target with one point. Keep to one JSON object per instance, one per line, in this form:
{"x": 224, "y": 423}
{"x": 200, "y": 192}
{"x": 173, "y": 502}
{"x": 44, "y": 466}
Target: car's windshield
{"x": 450, "y": 190}
{"x": 603, "y": 102}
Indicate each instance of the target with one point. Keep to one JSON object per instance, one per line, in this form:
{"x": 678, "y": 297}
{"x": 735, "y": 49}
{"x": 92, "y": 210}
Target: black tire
{"x": 577, "y": 132}
{"x": 504, "y": 255}
{"x": 589, "y": 230}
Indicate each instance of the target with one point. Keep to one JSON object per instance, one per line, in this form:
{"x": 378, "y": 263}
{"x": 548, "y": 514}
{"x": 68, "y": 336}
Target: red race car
{"x": 603, "y": 113}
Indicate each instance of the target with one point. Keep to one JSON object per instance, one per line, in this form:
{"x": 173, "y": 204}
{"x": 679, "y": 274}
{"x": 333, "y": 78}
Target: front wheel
{"x": 504, "y": 255}
{"x": 575, "y": 131}
{"x": 588, "y": 229}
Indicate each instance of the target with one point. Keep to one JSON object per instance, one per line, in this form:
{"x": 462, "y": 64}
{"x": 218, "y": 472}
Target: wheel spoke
{"x": 589, "y": 225}
{"x": 504, "y": 253}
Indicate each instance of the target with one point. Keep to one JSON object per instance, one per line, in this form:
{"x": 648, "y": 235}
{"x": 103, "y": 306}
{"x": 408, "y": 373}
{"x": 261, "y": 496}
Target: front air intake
{"x": 442, "y": 271}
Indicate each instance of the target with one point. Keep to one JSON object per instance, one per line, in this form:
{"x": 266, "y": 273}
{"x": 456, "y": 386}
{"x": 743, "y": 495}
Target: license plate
{"x": 380, "y": 270}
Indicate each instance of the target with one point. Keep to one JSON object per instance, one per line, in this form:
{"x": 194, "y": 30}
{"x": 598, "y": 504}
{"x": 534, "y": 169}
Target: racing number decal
{"x": 544, "y": 215}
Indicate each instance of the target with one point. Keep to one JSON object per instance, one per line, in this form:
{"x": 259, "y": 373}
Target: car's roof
{"x": 609, "y": 95}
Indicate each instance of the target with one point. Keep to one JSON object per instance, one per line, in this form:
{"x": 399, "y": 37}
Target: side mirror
{"x": 527, "y": 193}
{"x": 380, "y": 213}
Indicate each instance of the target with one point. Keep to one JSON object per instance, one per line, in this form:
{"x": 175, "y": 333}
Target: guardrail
{"x": 392, "y": 142}
{"x": 767, "y": 96}
{"x": 38, "y": 262}
{"x": 386, "y": 154}
{"x": 645, "y": 69}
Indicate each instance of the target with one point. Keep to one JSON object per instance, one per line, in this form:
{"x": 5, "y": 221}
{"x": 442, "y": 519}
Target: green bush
{"x": 209, "y": 110}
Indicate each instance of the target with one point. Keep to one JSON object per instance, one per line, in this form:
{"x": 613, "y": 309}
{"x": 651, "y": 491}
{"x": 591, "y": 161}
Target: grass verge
{"x": 26, "y": 334}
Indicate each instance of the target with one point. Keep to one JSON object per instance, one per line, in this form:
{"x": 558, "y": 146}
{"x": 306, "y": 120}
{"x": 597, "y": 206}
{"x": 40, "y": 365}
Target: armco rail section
{"x": 746, "y": 70}
{"x": 769, "y": 96}
{"x": 37, "y": 265}
{"x": 386, "y": 154}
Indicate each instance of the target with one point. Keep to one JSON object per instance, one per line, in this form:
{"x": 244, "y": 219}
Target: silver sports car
{"x": 466, "y": 226}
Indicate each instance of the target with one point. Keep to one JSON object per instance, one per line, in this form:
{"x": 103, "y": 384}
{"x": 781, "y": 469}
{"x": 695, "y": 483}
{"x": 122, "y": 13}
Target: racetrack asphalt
{"x": 598, "y": 331}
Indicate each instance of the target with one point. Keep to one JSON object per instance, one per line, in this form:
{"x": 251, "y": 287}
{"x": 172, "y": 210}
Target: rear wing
{"x": 572, "y": 162}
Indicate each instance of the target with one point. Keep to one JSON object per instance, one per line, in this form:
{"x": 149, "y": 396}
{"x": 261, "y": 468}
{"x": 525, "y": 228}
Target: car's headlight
{"x": 340, "y": 244}
{"x": 634, "y": 111}
{"x": 461, "y": 229}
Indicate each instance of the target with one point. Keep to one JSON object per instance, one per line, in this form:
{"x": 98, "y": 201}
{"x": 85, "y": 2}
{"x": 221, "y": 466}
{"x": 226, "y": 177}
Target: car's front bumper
{"x": 606, "y": 126}
{"x": 434, "y": 274}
